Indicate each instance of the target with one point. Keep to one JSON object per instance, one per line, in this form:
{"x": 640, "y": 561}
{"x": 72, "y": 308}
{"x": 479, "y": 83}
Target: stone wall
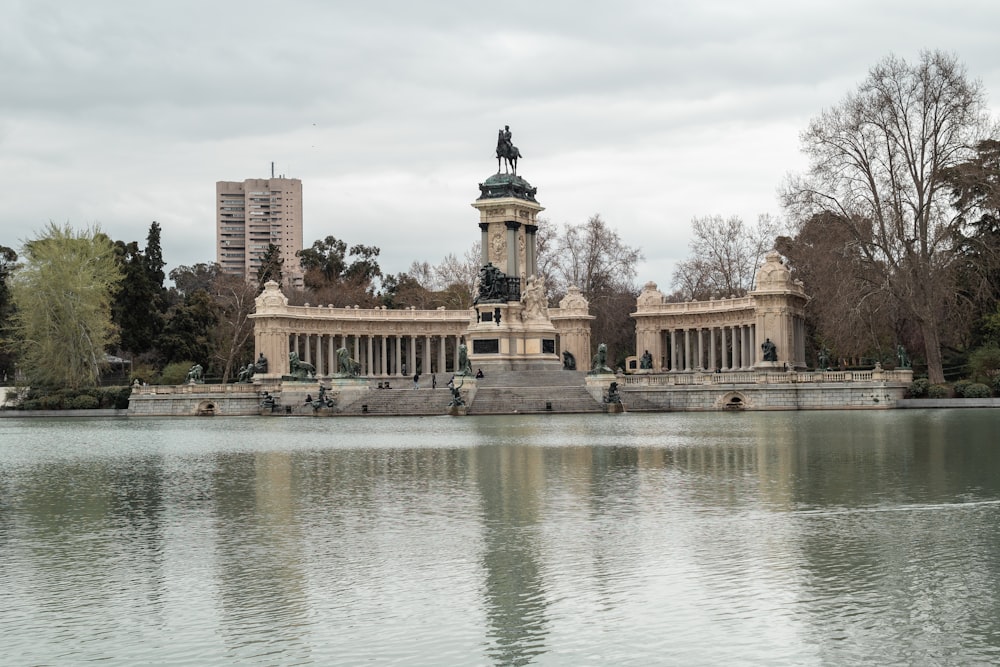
{"x": 192, "y": 400}
{"x": 791, "y": 396}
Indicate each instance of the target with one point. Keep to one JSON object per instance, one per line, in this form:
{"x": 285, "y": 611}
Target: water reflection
{"x": 809, "y": 538}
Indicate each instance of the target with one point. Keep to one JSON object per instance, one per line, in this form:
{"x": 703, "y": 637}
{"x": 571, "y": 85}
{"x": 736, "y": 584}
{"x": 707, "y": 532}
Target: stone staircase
{"x": 499, "y": 393}
{"x": 533, "y": 392}
{"x": 408, "y": 401}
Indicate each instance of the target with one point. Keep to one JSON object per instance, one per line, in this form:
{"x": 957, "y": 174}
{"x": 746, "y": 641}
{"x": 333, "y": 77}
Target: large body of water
{"x": 809, "y": 538}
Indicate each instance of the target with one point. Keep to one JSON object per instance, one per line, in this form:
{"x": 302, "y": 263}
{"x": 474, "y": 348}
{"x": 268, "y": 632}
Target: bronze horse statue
{"x": 507, "y": 151}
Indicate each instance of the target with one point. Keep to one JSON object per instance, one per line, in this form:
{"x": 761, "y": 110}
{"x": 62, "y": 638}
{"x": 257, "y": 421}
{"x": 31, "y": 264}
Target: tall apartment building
{"x": 252, "y": 214}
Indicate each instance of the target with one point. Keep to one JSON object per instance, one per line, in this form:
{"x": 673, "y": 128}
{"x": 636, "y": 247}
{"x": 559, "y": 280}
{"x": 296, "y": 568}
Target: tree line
{"x": 894, "y": 231}
{"x": 74, "y": 297}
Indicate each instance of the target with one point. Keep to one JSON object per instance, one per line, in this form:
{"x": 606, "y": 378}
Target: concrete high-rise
{"x": 252, "y": 214}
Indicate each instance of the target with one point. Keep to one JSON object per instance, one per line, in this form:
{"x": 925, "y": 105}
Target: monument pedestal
{"x": 503, "y": 339}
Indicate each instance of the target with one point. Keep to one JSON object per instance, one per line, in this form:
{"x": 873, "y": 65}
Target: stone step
{"x": 400, "y": 402}
{"x": 533, "y": 379}
{"x": 520, "y": 400}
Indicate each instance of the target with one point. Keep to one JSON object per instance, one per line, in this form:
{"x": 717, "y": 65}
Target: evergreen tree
{"x": 187, "y": 335}
{"x": 271, "y": 264}
{"x": 8, "y": 258}
{"x": 138, "y": 307}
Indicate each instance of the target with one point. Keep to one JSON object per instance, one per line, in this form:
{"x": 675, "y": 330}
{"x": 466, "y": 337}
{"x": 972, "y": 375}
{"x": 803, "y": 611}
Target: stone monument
{"x": 510, "y": 328}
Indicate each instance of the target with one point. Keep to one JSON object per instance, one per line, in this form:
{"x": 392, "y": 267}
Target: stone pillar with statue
{"x": 780, "y": 308}
{"x": 510, "y": 328}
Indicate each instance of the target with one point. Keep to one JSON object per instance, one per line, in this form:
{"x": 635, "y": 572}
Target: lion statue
{"x": 600, "y": 362}
{"x": 298, "y": 368}
{"x": 347, "y": 367}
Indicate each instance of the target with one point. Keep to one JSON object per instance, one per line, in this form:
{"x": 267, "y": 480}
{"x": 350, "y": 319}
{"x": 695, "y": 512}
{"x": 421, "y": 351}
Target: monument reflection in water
{"x": 765, "y": 538}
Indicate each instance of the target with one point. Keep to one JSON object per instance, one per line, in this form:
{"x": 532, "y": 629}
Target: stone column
{"x": 443, "y": 355}
{"x": 399, "y": 355}
{"x": 411, "y": 365}
{"x": 332, "y": 355}
{"x": 673, "y": 350}
{"x": 711, "y": 351}
{"x": 512, "y": 227}
{"x": 484, "y": 242}
{"x": 734, "y": 331}
{"x": 724, "y": 349}
{"x": 530, "y": 268}
{"x": 701, "y": 349}
{"x": 319, "y": 355}
{"x": 385, "y": 360}
{"x": 687, "y": 349}
{"x": 357, "y": 349}
{"x": 747, "y": 352}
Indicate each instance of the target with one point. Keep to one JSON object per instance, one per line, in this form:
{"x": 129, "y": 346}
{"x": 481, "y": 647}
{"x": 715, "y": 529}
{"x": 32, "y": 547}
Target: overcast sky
{"x": 648, "y": 113}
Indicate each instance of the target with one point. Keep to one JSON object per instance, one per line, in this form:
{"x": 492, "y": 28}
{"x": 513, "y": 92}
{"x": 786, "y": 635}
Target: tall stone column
{"x": 411, "y": 366}
{"x": 319, "y": 354}
{"x": 512, "y": 252}
{"x": 711, "y": 350}
{"x": 687, "y": 349}
{"x": 369, "y": 366}
{"x": 701, "y": 349}
{"x": 399, "y": 355}
{"x": 530, "y": 266}
{"x": 674, "y": 357}
{"x": 724, "y": 349}
{"x": 747, "y": 357}
{"x": 484, "y": 243}
{"x": 385, "y": 362}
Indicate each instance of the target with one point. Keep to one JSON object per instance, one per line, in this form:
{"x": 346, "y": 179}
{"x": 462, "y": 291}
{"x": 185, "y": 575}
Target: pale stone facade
{"x": 386, "y": 343}
{"x": 726, "y": 334}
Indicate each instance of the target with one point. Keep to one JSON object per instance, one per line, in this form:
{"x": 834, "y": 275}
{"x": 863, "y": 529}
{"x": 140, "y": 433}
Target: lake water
{"x": 801, "y": 538}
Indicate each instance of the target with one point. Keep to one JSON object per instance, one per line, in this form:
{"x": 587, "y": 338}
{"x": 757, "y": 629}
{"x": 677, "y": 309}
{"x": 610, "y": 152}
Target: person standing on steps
{"x": 416, "y": 380}
{"x": 434, "y": 381}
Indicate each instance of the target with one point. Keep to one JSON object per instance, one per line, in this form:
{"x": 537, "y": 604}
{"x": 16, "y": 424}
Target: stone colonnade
{"x": 385, "y": 343}
{"x": 723, "y": 347}
{"x": 379, "y": 355}
{"x": 725, "y": 334}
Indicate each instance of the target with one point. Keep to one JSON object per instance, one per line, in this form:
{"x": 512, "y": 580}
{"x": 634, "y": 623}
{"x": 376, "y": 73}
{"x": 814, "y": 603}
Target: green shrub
{"x": 82, "y": 402}
{"x": 960, "y": 387}
{"x": 938, "y": 391}
{"x": 984, "y": 363}
{"x": 51, "y": 402}
{"x": 175, "y": 373}
{"x": 918, "y": 388}
{"x": 119, "y": 398}
{"x": 977, "y": 390}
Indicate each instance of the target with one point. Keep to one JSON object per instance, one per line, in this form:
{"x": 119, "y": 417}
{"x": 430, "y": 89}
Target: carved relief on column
{"x": 498, "y": 247}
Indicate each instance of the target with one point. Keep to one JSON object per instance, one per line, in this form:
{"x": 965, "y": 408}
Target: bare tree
{"x": 233, "y": 334}
{"x": 877, "y": 165}
{"x": 455, "y": 277}
{"x": 725, "y": 256}
{"x": 593, "y": 257}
